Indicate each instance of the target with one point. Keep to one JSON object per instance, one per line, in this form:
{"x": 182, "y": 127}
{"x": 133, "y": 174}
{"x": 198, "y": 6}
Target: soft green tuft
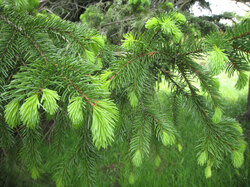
{"x": 208, "y": 172}
{"x": 49, "y": 101}
{"x": 105, "y": 115}
{"x": 217, "y": 60}
{"x": 12, "y": 115}
{"x": 238, "y": 158}
{"x": 131, "y": 179}
{"x": 152, "y": 23}
{"x": 29, "y": 112}
{"x": 75, "y": 111}
{"x": 157, "y": 161}
{"x": 133, "y": 99}
{"x": 202, "y": 159}
{"x": 35, "y": 173}
{"x": 167, "y": 138}
{"x": 137, "y": 158}
{"x": 217, "y": 115}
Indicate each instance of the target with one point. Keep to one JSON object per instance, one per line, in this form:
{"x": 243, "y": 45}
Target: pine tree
{"x": 60, "y": 106}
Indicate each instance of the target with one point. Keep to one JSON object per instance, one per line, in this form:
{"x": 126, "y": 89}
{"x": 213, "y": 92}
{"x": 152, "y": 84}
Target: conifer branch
{"x": 194, "y": 96}
{"x": 203, "y": 82}
{"x": 78, "y": 90}
{"x": 22, "y": 31}
{"x": 240, "y": 36}
{"x": 166, "y": 73}
{"x": 240, "y": 49}
{"x": 190, "y": 52}
{"x": 133, "y": 59}
{"x": 141, "y": 131}
{"x": 236, "y": 67}
{"x": 7, "y": 45}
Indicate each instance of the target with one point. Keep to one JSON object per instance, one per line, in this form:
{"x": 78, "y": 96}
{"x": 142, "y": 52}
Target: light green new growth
{"x": 99, "y": 40}
{"x": 167, "y": 138}
{"x": 152, "y": 23}
{"x": 29, "y": 112}
{"x": 12, "y": 116}
{"x": 35, "y": 173}
{"x": 217, "y": 60}
{"x": 243, "y": 146}
{"x": 133, "y": 99}
{"x": 49, "y": 101}
{"x": 130, "y": 40}
{"x": 89, "y": 55}
{"x": 238, "y": 127}
{"x": 238, "y": 158}
{"x": 157, "y": 161}
{"x": 179, "y": 147}
{"x": 105, "y": 115}
{"x": 202, "y": 159}
{"x": 97, "y": 43}
{"x": 137, "y": 158}
{"x": 179, "y": 17}
{"x": 217, "y": 115}
{"x": 131, "y": 179}
{"x": 103, "y": 80}
{"x": 170, "y": 28}
{"x": 75, "y": 111}
{"x": 208, "y": 172}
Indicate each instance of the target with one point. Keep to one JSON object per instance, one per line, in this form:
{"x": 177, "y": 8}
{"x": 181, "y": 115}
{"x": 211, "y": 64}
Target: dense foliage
{"x": 66, "y": 95}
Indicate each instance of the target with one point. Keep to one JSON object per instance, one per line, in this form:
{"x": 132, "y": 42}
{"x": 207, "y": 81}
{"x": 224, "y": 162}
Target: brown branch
{"x": 77, "y": 40}
{"x": 234, "y": 64}
{"x": 190, "y": 52}
{"x": 79, "y": 91}
{"x": 240, "y": 36}
{"x": 240, "y": 49}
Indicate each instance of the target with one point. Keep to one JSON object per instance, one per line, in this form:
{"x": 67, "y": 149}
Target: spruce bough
{"x": 66, "y": 107}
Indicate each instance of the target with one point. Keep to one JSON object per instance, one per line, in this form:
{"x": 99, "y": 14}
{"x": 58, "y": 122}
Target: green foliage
{"x": 217, "y": 115}
{"x": 29, "y": 112}
{"x": 131, "y": 179}
{"x": 105, "y": 115}
{"x": 202, "y": 159}
{"x": 48, "y": 101}
{"x": 75, "y": 110}
{"x": 130, "y": 40}
{"x": 238, "y": 158}
{"x": 217, "y": 60}
{"x": 208, "y": 172}
{"x": 137, "y": 158}
{"x": 169, "y": 25}
{"x": 133, "y": 99}
{"x": 157, "y": 161}
{"x": 12, "y": 115}
{"x": 58, "y": 65}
